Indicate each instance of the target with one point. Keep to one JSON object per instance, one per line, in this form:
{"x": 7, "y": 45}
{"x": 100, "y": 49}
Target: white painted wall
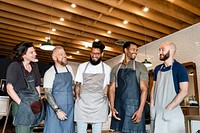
{"x": 187, "y": 49}
{"x": 74, "y": 66}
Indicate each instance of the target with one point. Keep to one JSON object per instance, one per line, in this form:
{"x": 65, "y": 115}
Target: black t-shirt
{"x": 15, "y": 75}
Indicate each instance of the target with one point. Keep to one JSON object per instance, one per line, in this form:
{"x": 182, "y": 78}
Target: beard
{"x": 62, "y": 62}
{"x": 93, "y": 62}
{"x": 164, "y": 57}
{"x": 133, "y": 56}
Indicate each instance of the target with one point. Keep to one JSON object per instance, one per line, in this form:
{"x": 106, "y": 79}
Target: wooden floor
{"x": 10, "y": 127}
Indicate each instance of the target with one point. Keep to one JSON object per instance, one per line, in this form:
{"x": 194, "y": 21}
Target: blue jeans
{"x": 82, "y": 127}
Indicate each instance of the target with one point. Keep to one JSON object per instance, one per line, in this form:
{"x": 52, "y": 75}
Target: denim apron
{"x": 162, "y": 120}
{"x": 92, "y": 105}
{"x": 63, "y": 95}
{"x": 23, "y": 115}
{"x": 127, "y": 101}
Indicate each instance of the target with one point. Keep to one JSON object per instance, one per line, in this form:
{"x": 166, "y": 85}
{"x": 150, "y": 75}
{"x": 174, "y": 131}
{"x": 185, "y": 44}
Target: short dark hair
{"x": 127, "y": 44}
{"x": 99, "y": 45}
{"x": 21, "y": 49}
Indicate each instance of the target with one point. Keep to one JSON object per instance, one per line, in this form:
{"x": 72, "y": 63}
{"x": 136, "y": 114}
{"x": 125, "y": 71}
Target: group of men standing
{"x": 126, "y": 86}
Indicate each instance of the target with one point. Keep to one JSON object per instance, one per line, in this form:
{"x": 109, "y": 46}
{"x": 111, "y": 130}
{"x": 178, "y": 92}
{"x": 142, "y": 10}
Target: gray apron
{"x": 162, "y": 120}
{"x": 92, "y": 105}
{"x": 63, "y": 94}
{"x": 23, "y": 115}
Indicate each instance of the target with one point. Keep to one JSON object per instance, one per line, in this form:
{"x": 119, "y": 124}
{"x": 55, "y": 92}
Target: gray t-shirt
{"x": 141, "y": 71}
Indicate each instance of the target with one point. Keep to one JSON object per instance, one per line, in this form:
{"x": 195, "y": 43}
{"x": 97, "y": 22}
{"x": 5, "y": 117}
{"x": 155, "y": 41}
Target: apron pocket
{"x": 152, "y": 113}
{"x": 171, "y": 114}
{"x": 36, "y": 106}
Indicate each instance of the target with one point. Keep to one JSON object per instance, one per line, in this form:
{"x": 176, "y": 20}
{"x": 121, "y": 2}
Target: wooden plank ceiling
{"x": 32, "y": 20}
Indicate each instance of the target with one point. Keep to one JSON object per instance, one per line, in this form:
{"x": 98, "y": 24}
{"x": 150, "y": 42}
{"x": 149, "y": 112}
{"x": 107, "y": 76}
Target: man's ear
{"x": 102, "y": 54}
{"x": 54, "y": 57}
{"x": 125, "y": 50}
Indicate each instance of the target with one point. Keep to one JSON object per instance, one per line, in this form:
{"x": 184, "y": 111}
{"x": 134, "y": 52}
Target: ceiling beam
{"x": 76, "y": 25}
{"x": 127, "y": 7}
{"x": 69, "y": 51}
{"x": 186, "y": 6}
{"x": 68, "y": 13}
{"x": 155, "y": 5}
{"x": 56, "y": 36}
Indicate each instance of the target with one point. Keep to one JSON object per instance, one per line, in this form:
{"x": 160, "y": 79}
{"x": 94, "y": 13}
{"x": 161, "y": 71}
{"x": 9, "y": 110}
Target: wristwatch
{"x": 57, "y": 109}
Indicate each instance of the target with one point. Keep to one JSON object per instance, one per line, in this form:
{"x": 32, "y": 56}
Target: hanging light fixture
{"x": 146, "y": 62}
{"x": 48, "y": 45}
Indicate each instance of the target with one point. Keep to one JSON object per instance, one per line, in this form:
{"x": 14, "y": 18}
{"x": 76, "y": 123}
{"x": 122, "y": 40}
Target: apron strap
{"x": 103, "y": 68}
{"x": 164, "y": 64}
{"x": 116, "y": 85}
{"x": 24, "y": 70}
{"x": 57, "y": 70}
{"x": 101, "y": 64}
{"x": 86, "y": 67}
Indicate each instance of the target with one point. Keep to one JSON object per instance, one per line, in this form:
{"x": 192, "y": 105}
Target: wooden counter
{"x": 188, "y": 119}
{"x": 190, "y": 110}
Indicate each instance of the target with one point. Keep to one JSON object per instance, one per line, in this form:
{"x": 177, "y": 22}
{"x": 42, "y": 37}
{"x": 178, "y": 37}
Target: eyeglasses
{"x": 95, "y": 54}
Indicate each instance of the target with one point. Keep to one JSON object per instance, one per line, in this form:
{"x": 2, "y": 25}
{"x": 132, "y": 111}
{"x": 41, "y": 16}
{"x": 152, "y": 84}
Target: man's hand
{"x": 137, "y": 116}
{"x": 61, "y": 115}
{"x": 114, "y": 114}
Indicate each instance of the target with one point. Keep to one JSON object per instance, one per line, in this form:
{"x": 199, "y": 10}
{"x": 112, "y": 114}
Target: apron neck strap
{"x": 57, "y": 70}
{"x": 164, "y": 65}
{"x": 101, "y": 64}
{"x": 116, "y": 85}
{"x": 24, "y": 70}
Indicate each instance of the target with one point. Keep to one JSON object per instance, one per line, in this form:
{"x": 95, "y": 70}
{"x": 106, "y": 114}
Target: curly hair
{"x": 99, "y": 45}
{"x": 21, "y": 49}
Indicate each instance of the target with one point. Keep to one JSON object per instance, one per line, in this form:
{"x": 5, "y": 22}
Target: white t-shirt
{"x": 49, "y": 75}
{"x": 93, "y": 69}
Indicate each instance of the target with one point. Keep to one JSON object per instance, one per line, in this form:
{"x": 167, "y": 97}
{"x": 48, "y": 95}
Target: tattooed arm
{"x": 60, "y": 114}
{"x": 77, "y": 89}
{"x": 50, "y": 98}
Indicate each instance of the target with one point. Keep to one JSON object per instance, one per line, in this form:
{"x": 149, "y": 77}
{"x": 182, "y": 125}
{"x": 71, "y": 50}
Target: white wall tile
{"x": 187, "y": 49}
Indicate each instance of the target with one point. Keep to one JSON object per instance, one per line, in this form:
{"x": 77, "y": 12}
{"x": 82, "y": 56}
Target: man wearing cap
{"x": 92, "y": 79}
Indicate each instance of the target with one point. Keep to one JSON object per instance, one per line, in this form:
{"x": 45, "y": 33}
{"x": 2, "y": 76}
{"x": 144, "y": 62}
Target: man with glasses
{"x": 92, "y": 80}
{"x": 128, "y": 92}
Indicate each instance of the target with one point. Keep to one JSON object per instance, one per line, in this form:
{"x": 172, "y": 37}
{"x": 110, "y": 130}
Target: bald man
{"x": 58, "y": 89}
{"x": 170, "y": 86}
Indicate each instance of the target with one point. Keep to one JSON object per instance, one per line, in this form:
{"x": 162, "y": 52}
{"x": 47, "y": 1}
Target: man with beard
{"x": 170, "y": 86}
{"x": 92, "y": 79}
{"x": 58, "y": 88}
{"x": 128, "y": 92}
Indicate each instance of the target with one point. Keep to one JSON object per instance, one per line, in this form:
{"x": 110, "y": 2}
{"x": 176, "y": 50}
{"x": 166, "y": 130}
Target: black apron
{"x": 23, "y": 115}
{"x": 127, "y": 101}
